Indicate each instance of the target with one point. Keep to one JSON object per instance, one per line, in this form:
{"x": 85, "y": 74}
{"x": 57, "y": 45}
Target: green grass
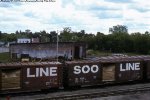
{"x": 97, "y": 53}
{"x": 132, "y": 54}
{"x": 5, "y": 57}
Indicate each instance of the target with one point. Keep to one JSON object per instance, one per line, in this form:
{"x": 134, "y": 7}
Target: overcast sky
{"x": 89, "y": 15}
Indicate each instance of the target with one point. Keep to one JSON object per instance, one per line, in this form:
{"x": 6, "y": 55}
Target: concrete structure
{"x": 69, "y": 50}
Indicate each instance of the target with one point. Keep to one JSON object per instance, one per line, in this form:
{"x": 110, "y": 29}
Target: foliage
{"x": 118, "y": 41}
{"x": 118, "y": 29}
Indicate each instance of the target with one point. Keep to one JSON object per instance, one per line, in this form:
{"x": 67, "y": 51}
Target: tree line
{"x": 117, "y": 41}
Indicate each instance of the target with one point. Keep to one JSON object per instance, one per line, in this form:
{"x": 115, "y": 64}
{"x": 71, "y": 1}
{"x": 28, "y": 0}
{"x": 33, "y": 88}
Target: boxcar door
{"x": 108, "y": 72}
{"x": 10, "y": 79}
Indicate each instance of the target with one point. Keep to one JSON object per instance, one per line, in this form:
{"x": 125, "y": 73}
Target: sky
{"x": 90, "y": 15}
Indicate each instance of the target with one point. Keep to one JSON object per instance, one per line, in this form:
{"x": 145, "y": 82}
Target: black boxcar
{"x": 30, "y": 76}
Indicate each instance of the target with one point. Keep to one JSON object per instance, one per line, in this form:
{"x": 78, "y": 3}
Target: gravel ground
{"x": 139, "y": 96}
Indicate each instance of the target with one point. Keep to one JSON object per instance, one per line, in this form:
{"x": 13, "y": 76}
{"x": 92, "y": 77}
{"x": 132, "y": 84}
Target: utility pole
{"x": 57, "y": 47}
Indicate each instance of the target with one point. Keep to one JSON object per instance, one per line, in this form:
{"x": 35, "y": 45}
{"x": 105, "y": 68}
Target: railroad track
{"x": 84, "y": 93}
{"x": 98, "y": 94}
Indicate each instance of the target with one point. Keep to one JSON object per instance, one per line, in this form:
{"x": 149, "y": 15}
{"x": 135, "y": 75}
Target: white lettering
{"x": 96, "y": 68}
{"x": 130, "y": 66}
{"x": 28, "y": 73}
{"x": 127, "y": 67}
{"x": 53, "y": 71}
{"x": 39, "y": 72}
{"x": 86, "y": 69}
{"x": 137, "y": 66}
{"x": 77, "y": 70}
{"x": 121, "y": 69}
{"x": 42, "y": 71}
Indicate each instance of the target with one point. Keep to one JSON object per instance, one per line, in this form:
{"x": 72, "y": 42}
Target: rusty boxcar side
{"x": 82, "y": 73}
{"x": 30, "y": 76}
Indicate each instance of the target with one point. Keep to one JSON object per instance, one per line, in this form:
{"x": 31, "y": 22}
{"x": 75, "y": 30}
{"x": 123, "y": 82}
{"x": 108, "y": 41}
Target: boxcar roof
{"x": 107, "y": 59}
{"x": 17, "y": 64}
{"x": 81, "y": 61}
{"x": 114, "y": 59}
{"x": 111, "y": 59}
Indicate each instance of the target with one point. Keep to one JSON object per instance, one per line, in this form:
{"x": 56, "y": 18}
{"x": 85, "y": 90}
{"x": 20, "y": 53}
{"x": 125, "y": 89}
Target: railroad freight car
{"x": 30, "y": 76}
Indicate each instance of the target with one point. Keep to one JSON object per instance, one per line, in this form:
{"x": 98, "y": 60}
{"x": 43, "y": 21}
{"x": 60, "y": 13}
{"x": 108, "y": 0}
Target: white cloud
{"x": 90, "y": 15}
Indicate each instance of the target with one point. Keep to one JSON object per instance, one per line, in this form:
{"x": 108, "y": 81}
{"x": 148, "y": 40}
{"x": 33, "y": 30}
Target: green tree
{"x": 66, "y": 35}
{"x": 44, "y": 36}
{"x": 118, "y": 29}
{"x": 100, "y": 41}
{"x": 120, "y": 38}
{"x": 53, "y": 36}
